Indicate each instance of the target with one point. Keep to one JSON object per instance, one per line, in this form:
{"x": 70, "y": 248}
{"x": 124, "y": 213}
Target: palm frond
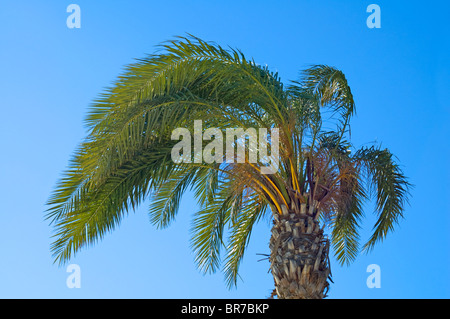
{"x": 165, "y": 200}
{"x": 99, "y": 209}
{"x": 388, "y": 185}
{"x": 208, "y": 229}
{"x": 251, "y": 211}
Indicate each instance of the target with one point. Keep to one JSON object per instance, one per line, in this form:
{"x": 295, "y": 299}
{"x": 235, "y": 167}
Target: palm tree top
{"x": 126, "y": 156}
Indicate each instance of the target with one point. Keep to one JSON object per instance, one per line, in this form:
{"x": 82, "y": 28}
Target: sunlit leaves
{"x": 126, "y": 156}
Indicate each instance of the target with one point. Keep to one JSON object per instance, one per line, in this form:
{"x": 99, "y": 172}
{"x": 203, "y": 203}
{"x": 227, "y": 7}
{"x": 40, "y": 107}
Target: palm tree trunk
{"x": 299, "y": 257}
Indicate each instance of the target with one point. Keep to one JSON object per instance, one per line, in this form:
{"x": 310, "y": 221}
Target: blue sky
{"x": 399, "y": 75}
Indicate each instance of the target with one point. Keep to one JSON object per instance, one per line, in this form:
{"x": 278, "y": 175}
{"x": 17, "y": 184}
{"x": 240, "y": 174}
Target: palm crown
{"x": 126, "y": 156}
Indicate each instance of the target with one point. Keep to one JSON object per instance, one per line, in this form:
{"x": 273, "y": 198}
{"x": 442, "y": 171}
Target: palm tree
{"x": 322, "y": 180}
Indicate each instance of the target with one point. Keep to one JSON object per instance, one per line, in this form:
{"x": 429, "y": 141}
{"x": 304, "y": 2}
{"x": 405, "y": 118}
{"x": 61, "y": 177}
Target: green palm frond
{"x": 331, "y": 88}
{"x": 346, "y": 221}
{"x": 166, "y": 198}
{"x": 208, "y": 229}
{"x": 241, "y": 229}
{"x": 388, "y": 185}
{"x": 99, "y": 209}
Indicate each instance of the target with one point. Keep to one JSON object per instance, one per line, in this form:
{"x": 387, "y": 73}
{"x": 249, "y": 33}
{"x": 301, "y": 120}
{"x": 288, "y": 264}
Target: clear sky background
{"x": 49, "y": 74}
